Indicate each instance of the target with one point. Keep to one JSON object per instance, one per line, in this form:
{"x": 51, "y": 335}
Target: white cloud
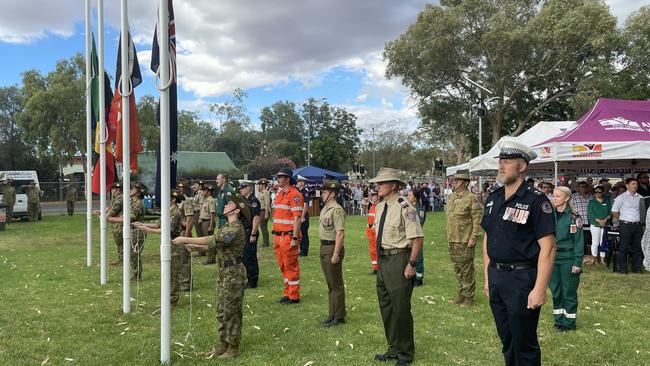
{"x": 361, "y": 98}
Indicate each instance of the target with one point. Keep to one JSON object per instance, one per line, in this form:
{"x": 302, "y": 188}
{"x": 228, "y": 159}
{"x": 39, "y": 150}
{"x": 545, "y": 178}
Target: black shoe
{"x": 327, "y": 321}
{"x": 283, "y": 299}
{"x": 402, "y": 362}
{"x": 335, "y": 322}
{"x": 418, "y": 282}
{"x": 558, "y": 327}
{"x": 290, "y": 302}
{"x": 209, "y": 262}
{"x": 383, "y": 357}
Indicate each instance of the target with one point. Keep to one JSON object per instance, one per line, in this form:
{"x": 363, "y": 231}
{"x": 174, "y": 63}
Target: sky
{"x": 275, "y": 50}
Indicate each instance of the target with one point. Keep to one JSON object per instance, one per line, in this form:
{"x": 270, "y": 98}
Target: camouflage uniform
{"x": 229, "y": 243}
{"x": 217, "y": 205}
{"x": 137, "y": 236}
{"x": 115, "y": 209}
{"x": 9, "y": 198}
{"x": 175, "y": 225}
{"x": 464, "y": 213}
{"x": 186, "y": 209}
{"x": 70, "y": 198}
{"x": 33, "y": 198}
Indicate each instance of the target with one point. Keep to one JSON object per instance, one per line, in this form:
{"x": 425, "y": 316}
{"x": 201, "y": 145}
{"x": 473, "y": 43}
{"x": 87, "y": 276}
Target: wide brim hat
{"x": 142, "y": 189}
{"x": 177, "y": 195}
{"x": 287, "y": 173}
{"x": 332, "y": 185}
{"x": 263, "y": 181}
{"x": 388, "y": 175}
{"x": 116, "y": 185}
{"x": 461, "y": 175}
{"x": 207, "y": 187}
{"x": 516, "y": 150}
{"x": 241, "y": 204}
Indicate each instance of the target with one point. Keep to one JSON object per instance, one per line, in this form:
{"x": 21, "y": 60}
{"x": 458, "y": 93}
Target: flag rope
{"x": 157, "y": 77}
{"x": 119, "y": 86}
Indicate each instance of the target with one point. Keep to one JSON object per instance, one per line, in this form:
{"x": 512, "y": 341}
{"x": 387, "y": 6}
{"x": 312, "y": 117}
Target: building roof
{"x": 189, "y": 161}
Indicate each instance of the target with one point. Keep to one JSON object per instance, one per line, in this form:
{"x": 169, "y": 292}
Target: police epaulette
{"x": 403, "y": 202}
{"x": 536, "y": 191}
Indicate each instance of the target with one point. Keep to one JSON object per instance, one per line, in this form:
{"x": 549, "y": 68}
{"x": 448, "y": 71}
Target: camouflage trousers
{"x": 462, "y": 257}
{"x": 185, "y": 274}
{"x": 70, "y": 205}
{"x": 118, "y": 239}
{"x": 32, "y": 211}
{"x": 137, "y": 245}
{"x": 175, "y": 290}
{"x": 10, "y": 211}
{"x": 230, "y": 303}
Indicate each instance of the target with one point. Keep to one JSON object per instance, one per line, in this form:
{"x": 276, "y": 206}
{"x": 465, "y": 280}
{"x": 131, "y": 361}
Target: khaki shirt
{"x": 402, "y": 223}
{"x": 332, "y": 219}
{"x": 464, "y": 214}
{"x": 197, "y": 201}
{"x": 265, "y": 200}
{"x": 208, "y": 207}
{"x": 187, "y": 208}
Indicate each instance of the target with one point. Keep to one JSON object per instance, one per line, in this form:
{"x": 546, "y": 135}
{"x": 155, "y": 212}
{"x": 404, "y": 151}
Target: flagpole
{"x": 89, "y": 154}
{"x": 103, "y": 277}
{"x": 125, "y": 83}
{"x": 165, "y": 249}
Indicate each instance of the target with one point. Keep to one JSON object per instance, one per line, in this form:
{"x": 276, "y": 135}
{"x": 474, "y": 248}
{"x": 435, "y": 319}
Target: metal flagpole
{"x": 89, "y": 148}
{"x": 165, "y": 249}
{"x": 103, "y": 277}
{"x": 125, "y": 91}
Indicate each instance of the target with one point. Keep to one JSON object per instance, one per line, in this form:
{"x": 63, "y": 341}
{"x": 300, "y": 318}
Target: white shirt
{"x": 628, "y": 206}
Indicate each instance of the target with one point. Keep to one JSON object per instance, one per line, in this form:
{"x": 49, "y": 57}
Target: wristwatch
{"x": 413, "y": 263}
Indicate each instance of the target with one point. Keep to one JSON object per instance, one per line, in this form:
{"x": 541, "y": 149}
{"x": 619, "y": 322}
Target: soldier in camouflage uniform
{"x": 464, "y": 213}
{"x": 138, "y": 236}
{"x": 229, "y": 243}
{"x": 33, "y": 199}
{"x": 223, "y": 190}
{"x": 115, "y": 210}
{"x": 70, "y": 197}
{"x": 175, "y": 225}
{"x": 9, "y": 198}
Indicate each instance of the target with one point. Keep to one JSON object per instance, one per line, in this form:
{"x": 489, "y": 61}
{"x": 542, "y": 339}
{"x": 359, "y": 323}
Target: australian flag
{"x": 173, "y": 107}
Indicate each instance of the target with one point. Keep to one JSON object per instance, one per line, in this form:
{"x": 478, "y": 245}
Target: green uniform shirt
{"x": 464, "y": 213}
{"x": 221, "y": 203}
{"x": 115, "y": 209}
{"x": 8, "y": 194}
{"x": 265, "y": 200}
{"x": 598, "y": 210}
{"x": 422, "y": 215}
{"x": 569, "y": 237}
{"x": 229, "y": 241}
{"x": 137, "y": 209}
{"x": 332, "y": 219}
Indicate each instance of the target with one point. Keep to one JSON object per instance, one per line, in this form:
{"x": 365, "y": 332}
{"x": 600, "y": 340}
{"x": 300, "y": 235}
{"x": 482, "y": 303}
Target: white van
{"x": 21, "y": 178}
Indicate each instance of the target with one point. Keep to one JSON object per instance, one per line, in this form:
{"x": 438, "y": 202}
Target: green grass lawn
{"x": 53, "y": 310}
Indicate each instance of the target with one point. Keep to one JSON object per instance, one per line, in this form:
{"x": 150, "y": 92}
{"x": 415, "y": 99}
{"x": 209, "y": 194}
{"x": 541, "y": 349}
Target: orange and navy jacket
{"x": 371, "y": 214}
{"x": 287, "y": 205}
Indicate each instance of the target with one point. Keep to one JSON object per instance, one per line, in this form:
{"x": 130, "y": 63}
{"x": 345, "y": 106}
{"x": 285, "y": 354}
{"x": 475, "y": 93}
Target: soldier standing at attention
{"x": 415, "y": 198}
{"x": 70, "y": 197}
{"x": 175, "y": 225}
{"x": 265, "y": 209}
{"x": 304, "y": 220}
{"x": 331, "y": 232}
{"x": 464, "y": 213}
{"x": 137, "y": 192}
{"x": 518, "y": 254}
{"x": 370, "y": 232}
{"x": 224, "y": 189}
{"x": 207, "y": 217}
{"x": 399, "y": 241}
{"x": 246, "y": 189}
{"x": 287, "y": 212}
{"x": 197, "y": 202}
{"x": 33, "y": 198}
{"x": 115, "y": 210}
{"x": 229, "y": 241}
{"x": 187, "y": 211}
{"x": 9, "y": 198}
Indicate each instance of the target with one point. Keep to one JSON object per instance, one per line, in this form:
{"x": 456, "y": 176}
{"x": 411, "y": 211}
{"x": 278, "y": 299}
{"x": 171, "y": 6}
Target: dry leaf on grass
{"x": 256, "y": 327}
{"x": 309, "y": 363}
{"x": 45, "y": 360}
{"x": 360, "y": 331}
{"x": 69, "y": 359}
{"x": 351, "y": 345}
{"x": 337, "y": 343}
{"x": 180, "y": 344}
{"x": 285, "y": 330}
{"x": 601, "y": 331}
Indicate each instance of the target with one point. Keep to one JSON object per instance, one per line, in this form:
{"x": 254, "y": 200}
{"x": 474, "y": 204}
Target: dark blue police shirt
{"x": 306, "y": 196}
{"x": 513, "y": 226}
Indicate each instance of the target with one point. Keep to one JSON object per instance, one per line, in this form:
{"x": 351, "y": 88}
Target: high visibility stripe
{"x": 371, "y": 214}
{"x": 281, "y": 221}
{"x": 293, "y": 283}
{"x": 558, "y": 311}
{"x": 569, "y": 315}
{"x": 419, "y": 275}
{"x": 373, "y": 262}
{"x": 286, "y": 207}
{"x": 299, "y": 208}
{"x": 286, "y": 280}
{"x": 565, "y": 313}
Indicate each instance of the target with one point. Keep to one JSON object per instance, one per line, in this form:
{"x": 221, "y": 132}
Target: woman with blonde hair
{"x": 565, "y": 277}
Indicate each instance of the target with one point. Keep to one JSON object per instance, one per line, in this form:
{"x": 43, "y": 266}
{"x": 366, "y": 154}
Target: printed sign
{"x": 620, "y": 123}
{"x": 587, "y": 150}
{"x": 545, "y": 152}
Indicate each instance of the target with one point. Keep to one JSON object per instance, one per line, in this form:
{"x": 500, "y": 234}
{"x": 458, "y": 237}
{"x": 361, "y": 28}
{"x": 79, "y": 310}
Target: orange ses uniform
{"x": 372, "y": 237}
{"x": 287, "y": 206}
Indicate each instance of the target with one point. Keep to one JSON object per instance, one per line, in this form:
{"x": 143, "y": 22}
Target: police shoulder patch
{"x": 546, "y": 207}
{"x": 227, "y": 238}
{"x": 296, "y": 199}
{"x": 402, "y": 202}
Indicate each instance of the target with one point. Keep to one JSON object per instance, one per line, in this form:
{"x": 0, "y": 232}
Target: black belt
{"x": 564, "y": 249}
{"x": 227, "y": 263}
{"x": 327, "y": 242}
{"x": 282, "y": 233}
{"x": 514, "y": 266}
{"x": 385, "y": 252}
{"x": 370, "y": 226}
{"x": 630, "y": 222}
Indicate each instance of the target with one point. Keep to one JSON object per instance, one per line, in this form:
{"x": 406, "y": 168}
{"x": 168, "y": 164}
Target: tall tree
{"x": 149, "y": 129}
{"x": 531, "y": 54}
{"x": 12, "y": 146}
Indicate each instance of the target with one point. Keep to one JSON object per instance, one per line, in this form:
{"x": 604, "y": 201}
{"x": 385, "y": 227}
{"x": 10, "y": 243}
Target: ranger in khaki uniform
{"x": 265, "y": 209}
{"x": 207, "y": 216}
{"x": 399, "y": 241}
{"x": 197, "y": 202}
{"x": 229, "y": 242}
{"x": 464, "y": 213}
{"x": 331, "y": 232}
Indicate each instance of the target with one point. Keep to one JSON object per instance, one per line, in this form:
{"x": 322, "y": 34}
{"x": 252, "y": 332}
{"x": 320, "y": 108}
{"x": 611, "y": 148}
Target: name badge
{"x": 573, "y": 229}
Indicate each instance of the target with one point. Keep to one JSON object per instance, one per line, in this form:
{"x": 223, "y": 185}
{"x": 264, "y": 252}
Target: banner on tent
{"x": 587, "y": 150}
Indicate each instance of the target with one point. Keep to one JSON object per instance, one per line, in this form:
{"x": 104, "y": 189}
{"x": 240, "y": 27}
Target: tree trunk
{"x": 497, "y": 124}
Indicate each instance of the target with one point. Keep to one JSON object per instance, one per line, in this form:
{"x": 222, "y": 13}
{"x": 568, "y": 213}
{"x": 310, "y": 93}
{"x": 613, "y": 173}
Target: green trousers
{"x": 394, "y": 295}
{"x": 334, "y": 279}
{"x": 70, "y": 205}
{"x": 564, "y": 286}
{"x": 462, "y": 257}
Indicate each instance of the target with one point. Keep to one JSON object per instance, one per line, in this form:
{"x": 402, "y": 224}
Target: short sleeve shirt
{"x": 628, "y": 206}
{"x": 332, "y": 219}
{"x": 187, "y": 208}
{"x": 402, "y": 223}
{"x": 514, "y": 226}
{"x": 207, "y": 208}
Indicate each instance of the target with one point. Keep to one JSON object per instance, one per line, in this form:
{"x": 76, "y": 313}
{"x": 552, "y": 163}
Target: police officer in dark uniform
{"x": 518, "y": 254}
{"x": 251, "y": 225}
{"x": 304, "y": 221}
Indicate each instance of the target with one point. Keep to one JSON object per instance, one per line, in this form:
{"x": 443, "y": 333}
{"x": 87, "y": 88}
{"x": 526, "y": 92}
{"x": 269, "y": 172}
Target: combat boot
{"x": 459, "y": 299}
{"x": 231, "y": 352}
{"x": 216, "y": 351}
{"x": 468, "y": 302}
